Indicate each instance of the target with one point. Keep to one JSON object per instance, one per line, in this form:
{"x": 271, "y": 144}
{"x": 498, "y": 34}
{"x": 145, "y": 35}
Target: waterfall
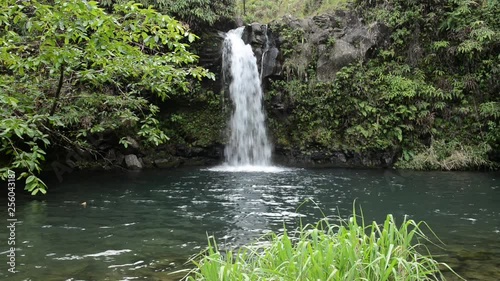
{"x": 248, "y": 143}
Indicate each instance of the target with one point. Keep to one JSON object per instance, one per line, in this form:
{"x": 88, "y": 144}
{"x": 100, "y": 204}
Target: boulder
{"x": 132, "y": 162}
{"x": 167, "y": 163}
{"x": 271, "y": 65}
{"x": 265, "y": 48}
{"x": 329, "y": 42}
{"x": 255, "y": 34}
{"x": 331, "y": 61}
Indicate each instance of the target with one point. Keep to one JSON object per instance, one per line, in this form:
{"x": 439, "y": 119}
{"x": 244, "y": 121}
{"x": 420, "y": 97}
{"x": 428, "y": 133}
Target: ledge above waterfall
{"x": 265, "y": 47}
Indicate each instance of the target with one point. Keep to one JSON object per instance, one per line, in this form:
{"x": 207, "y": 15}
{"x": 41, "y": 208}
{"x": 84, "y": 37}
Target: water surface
{"x": 144, "y": 225}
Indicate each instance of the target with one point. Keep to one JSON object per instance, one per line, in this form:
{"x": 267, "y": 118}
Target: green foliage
{"x": 265, "y": 10}
{"x": 382, "y": 110}
{"x": 448, "y": 156}
{"x": 291, "y": 37}
{"x": 331, "y": 42}
{"x": 21, "y": 138}
{"x": 70, "y": 70}
{"x": 198, "y": 120}
{"x": 298, "y": 54}
{"x": 349, "y": 250}
{"x": 436, "y": 82}
{"x": 457, "y": 43}
{"x": 198, "y": 14}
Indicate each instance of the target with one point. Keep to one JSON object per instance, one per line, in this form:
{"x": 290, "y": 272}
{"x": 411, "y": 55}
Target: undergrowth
{"x": 449, "y": 156}
{"x": 348, "y": 250}
{"x": 265, "y": 11}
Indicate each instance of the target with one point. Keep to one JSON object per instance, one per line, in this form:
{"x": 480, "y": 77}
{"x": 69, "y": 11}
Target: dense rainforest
{"x": 427, "y": 92}
{"x": 87, "y": 84}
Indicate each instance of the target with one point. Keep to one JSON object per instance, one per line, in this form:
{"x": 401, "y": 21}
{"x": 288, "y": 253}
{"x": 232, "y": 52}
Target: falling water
{"x": 248, "y": 144}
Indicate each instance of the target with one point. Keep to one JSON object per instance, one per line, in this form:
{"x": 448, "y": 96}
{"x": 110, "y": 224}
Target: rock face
{"x": 356, "y": 44}
{"x": 167, "y": 163}
{"x": 326, "y": 43}
{"x": 325, "y": 158}
{"x": 264, "y": 43}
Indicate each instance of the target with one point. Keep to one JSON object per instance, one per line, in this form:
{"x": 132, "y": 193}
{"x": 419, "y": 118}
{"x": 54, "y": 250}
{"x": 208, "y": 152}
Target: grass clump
{"x": 449, "y": 156}
{"x": 326, "y": 251}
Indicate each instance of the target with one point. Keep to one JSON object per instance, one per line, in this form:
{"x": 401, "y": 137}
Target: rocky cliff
{"x": 312, "y": 50}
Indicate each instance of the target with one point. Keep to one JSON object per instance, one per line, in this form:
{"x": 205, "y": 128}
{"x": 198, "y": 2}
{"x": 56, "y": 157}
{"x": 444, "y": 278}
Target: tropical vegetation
{"x": 71, "y": 72}
{"x": 265, "y": 11}
{"x": 82, "y": 76}
{"x": 347, "y": 250}
{"x": 431, "y": 93}
{"x": 198, "y": 14}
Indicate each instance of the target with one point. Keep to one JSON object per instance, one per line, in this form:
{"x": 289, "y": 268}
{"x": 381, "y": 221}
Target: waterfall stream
{"x": 248, "y": 144}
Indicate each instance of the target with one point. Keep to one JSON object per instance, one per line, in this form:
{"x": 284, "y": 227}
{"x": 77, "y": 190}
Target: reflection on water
{"x": 145, "y": 225}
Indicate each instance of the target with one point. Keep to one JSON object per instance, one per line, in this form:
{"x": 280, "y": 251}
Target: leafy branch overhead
{"x": 70, "y": 69}
{"x": 199, "y": 14}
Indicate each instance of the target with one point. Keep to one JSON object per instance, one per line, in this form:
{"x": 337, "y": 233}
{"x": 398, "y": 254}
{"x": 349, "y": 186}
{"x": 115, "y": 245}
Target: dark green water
{"x": 142, "y": 226}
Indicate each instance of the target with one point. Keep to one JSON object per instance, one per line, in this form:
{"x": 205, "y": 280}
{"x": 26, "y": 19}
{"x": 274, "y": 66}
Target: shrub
{"x": 449, "y": 156}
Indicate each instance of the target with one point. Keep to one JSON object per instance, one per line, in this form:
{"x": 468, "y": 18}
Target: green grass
{"x": 325, "y": 251}
{"x": 264, "y": 11}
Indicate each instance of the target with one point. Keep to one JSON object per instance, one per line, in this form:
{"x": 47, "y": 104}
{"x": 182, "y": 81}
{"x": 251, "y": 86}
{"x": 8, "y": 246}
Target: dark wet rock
{"x": 389, "y": 158}
{"x": 339, "y": 156}
{"x": 173, "y": 156}
{"x": 255, "y": 34}
{"x": 332, "y": 41}
{"x": 272, "y": 65}
{"x": 114, "y": 157}
{"x": 213, "y": 152}
{"x": 198, "y": 151}
{"x": 119, "y": 158}
{"x": 111, "y": 155}
{"x": 197, "y": 161}
{"x": 326, "y": 158}
{"x": 264, "y": 44}
{"x": 167, "y": 163}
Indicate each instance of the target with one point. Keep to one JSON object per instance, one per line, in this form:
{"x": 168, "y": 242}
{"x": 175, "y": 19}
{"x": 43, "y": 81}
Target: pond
{"x": 145, "y": 225}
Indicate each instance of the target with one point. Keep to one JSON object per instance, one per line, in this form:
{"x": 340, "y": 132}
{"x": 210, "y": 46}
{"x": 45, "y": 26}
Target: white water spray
{"x": 248, "y": 144}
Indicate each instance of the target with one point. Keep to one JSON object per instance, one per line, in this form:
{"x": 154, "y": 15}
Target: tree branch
{"x": 58, "y": 91}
